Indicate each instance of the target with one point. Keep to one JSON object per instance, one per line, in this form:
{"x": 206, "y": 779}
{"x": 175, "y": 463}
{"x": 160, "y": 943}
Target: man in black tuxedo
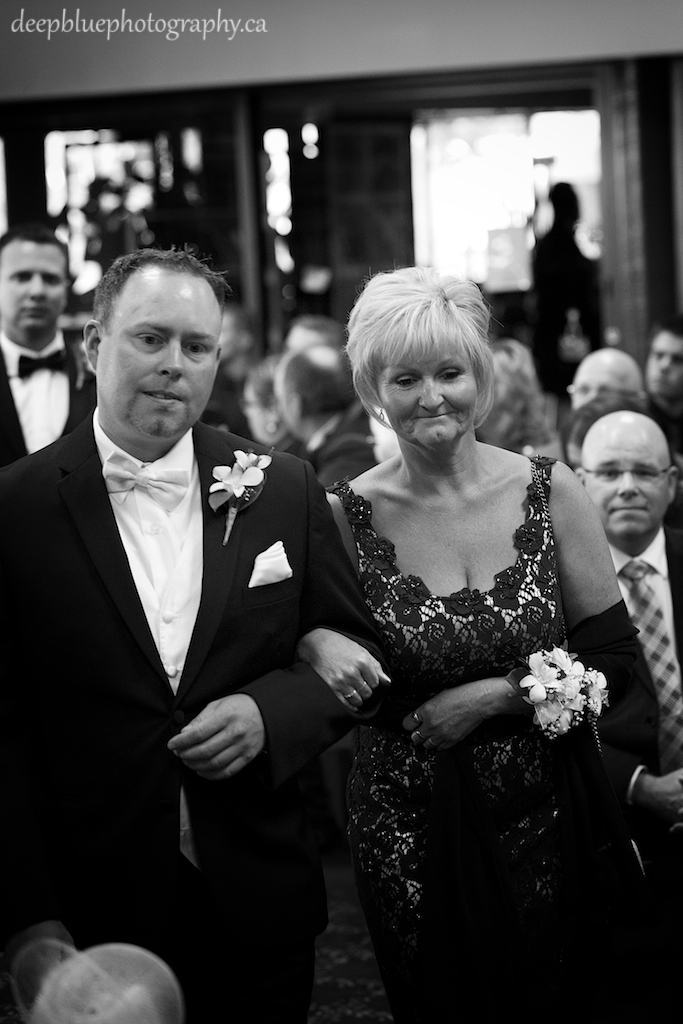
{"x": 153, "y": 712}
{"x": 45, "y": 387}
{"x": 628, "y": 471}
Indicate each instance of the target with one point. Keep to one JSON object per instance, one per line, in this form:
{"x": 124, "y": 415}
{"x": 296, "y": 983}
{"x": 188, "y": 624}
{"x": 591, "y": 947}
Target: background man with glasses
{"x": 626, "y": 467}
{"x": 604, "y": 375}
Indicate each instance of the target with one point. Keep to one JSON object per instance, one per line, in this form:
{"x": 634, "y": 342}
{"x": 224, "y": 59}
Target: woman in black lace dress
{"x": 485, "y": 853}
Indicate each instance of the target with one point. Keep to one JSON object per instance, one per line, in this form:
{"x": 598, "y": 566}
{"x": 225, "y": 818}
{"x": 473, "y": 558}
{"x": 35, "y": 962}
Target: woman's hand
{"x": 450, "y": 716}
{"x": 351, "y": 672}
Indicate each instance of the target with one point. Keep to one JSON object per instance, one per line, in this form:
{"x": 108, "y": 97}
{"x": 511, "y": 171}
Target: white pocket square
{"x": 271, "y": 566}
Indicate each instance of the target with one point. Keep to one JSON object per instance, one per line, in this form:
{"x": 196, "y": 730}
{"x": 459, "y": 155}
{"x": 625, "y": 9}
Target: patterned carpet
{"x": 347, "y": 984}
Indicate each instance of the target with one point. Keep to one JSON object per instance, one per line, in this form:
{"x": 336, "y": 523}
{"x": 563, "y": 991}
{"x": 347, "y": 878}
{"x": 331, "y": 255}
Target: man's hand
{"x": 223, "y": 738}
{"x": 662, "y": 795}
{"x": 351, "y": 672}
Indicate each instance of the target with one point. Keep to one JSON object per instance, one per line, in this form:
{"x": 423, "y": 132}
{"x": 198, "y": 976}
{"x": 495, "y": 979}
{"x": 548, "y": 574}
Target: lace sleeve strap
{"x": 335, "y": 503}
{"x": 542, "y": 466}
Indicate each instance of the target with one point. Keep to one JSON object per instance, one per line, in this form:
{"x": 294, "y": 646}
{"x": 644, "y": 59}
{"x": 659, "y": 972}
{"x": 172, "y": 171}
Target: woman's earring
{"x": 382, "y": 417}
{"x": 271, "y": 427}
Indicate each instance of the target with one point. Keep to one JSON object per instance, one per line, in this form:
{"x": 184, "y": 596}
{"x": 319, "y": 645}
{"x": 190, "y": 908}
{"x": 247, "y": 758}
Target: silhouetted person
{"x": 566, "y": 283}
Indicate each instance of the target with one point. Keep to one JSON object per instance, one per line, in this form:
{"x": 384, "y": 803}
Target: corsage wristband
{"x": 562, "y": 691}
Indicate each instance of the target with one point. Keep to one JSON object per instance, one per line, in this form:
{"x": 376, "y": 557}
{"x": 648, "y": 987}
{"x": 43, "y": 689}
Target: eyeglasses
{"x": 645, "y": 475}
{"x": 601, "y": 391}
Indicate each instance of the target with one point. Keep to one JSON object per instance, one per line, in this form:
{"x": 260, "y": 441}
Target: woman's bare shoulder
{"x": 375, "y": 481}
{"x": 566, "y": 490}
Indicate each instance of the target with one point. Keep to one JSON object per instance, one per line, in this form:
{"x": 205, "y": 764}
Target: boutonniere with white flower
{"x": 562, "y": 691}
{"x": 237, "y": 486}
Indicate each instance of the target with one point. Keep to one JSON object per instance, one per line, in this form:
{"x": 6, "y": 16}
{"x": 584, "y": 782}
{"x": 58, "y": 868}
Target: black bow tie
{"x": 28, "y": 365}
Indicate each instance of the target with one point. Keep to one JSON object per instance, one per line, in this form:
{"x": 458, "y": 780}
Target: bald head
{"x": 627, "y": 472}
{"x": 631, "y": 432}
{"x": 605, "y": 374}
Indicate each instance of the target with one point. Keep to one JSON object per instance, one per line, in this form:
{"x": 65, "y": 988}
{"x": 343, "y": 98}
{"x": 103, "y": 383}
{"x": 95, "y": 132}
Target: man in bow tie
{"x": 44, "y": 387}
{"x": 628, "y": 471}
{"x": 153, "y": 713}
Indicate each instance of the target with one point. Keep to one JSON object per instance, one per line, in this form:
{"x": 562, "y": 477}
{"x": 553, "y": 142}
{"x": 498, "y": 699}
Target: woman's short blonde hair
{"x": 404, "y": 316}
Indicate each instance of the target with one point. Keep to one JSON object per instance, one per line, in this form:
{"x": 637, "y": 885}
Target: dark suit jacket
{"x": 81, "y": 402}
{"x": 347, "y": 451}
{"x": 628, "y": 729}
{"x": 90, "y": 793}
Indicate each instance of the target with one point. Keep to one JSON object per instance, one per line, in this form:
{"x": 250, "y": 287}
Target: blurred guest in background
{"x": 314, "y": 329}
{"x": 664, "y": 379}
{"x": 259, "y": 405}
{"x": 319, "y": 407}
{"x": 566, "y": 283}
{"x": 239, "y": 353}
{"x": 309, "y": 330}
{"x": 518, "y": 419}
{"x": 604, "y": 375}
{"x": 629, "y": 476}
{"x": 46, "y": 387}
{"x": 581, "y": 419}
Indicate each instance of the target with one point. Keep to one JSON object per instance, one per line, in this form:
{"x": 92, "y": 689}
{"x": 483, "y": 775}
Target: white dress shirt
{"x": 41, "y": 400}
{"x": 655, "y": 556}
{"x": 164, "y": 551}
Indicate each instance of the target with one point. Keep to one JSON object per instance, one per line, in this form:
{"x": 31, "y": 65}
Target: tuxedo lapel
{"x": 211, "y": 449}
{"x": 674, "y": 556}
{"x": 81, "y": 389}
{"x": 83, "y": 491}
{"x": 13, "y": 444}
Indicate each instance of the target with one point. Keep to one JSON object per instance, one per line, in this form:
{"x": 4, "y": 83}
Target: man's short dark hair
{"x": 177, "y": 261}
{"x": 38, "y": 233}
{"x": 321, "y": 377}
{"x": 672, "y": 324}
{"x": 331, "y": 331}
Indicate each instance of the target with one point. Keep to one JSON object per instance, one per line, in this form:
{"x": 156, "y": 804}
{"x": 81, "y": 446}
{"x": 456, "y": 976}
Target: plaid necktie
{"x": 659, "y": 655}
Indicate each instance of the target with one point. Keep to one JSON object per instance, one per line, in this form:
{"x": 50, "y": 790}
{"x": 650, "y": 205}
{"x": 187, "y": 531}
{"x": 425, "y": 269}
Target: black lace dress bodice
{"x": 431, "y": 643}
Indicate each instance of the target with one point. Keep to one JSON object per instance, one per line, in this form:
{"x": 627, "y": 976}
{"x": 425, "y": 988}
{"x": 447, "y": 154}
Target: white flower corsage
{"x": 562, "y": 690}
{"x": 238, "y": 485}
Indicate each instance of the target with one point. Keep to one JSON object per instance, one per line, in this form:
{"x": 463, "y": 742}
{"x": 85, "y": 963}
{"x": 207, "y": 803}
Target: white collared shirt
{"x": 41, "y": 400}
{"x": 164, "y": 551}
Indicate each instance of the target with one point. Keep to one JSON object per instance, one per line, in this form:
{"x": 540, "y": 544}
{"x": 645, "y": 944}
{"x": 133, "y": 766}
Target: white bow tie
{"x": 166, "y": 486}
